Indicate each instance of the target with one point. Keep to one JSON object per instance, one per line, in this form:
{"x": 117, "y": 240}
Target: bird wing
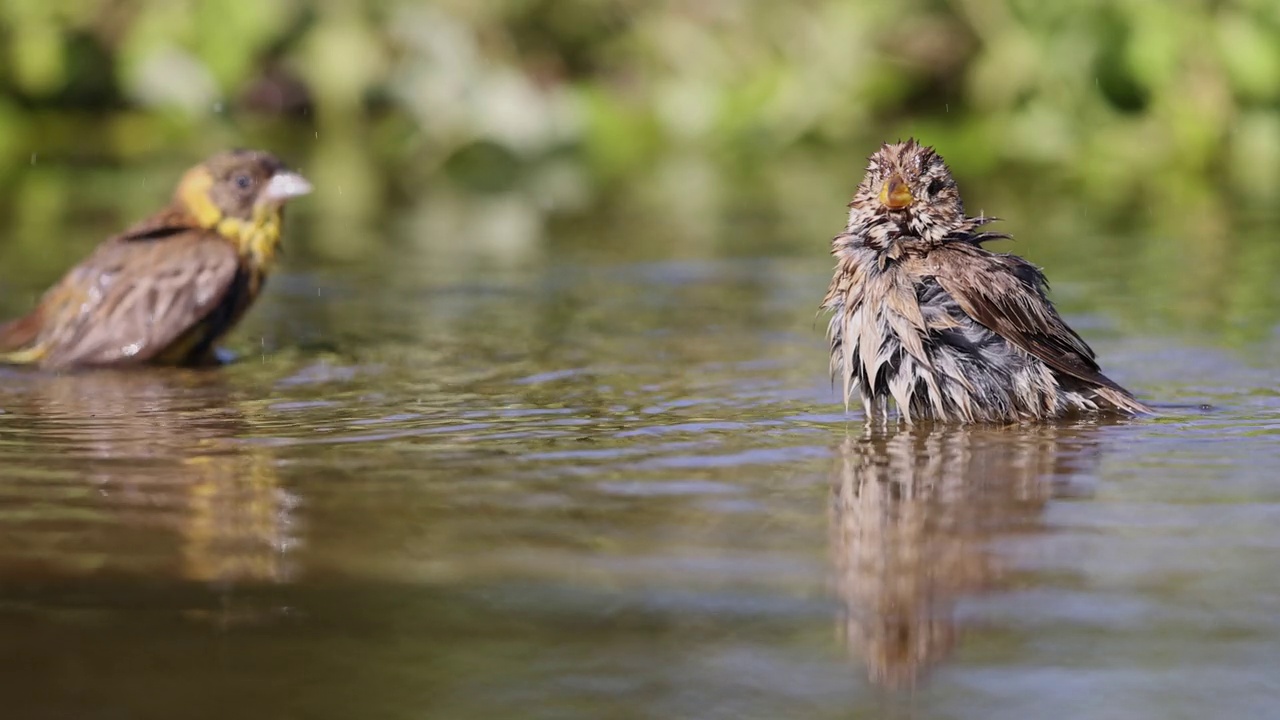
{"x": 1007, "y": 295}
{"x": 135, "y": 296}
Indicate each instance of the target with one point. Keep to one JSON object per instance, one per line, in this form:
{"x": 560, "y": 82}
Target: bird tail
{"x": 1122, "y": 401}
{"x": 18, "y": 341}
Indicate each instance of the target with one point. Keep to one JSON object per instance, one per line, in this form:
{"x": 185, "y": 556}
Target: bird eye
{"x": 243, "y": 182}
{"x": 936, "y": 185}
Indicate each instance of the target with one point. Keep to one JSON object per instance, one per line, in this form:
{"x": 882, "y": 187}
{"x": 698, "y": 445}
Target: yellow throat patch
{"x": 256, "y": 238}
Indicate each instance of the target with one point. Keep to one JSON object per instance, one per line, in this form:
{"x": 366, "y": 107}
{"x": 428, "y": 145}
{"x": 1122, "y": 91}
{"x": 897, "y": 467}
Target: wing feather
{"x": 1008, "y": 295}
{"x": 135, "y": 296}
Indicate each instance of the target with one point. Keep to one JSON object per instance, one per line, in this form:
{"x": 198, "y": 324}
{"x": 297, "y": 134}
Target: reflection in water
{"x": 912, "y": 514}
{"x": 134, "y": 458}
{"x": 237, "y": 520}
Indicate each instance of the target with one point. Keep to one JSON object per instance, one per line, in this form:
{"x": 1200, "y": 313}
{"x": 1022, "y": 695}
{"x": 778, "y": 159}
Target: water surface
{"x": 569, "y": 479}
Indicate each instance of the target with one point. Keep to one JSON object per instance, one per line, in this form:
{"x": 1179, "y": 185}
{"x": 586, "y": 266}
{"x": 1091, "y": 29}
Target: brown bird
{"x": 923, "y": 314}
{"x": 164, "y": 291}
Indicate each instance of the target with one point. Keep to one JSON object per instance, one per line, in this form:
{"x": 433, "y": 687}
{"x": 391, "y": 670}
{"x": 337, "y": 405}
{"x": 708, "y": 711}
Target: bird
{"x": 921, "y": 314}
{"x": 164, "y": 291}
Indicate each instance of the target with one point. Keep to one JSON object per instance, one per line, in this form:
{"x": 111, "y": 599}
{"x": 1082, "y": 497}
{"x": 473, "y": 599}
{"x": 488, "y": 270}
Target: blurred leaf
{"x": 38, "y": 57}
{"x": 1252, "y": 56}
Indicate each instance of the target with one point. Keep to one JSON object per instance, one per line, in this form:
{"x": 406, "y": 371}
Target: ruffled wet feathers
{"x": 925, "y": 319}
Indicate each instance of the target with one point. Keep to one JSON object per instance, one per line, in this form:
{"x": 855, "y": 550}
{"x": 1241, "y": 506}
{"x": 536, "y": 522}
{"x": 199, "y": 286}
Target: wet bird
{"x": 924, "y": 316}
{"x": 164, "y": 291}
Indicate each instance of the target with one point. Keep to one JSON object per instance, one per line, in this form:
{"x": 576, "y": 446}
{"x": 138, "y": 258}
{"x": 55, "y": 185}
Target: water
{"x": 572, "y": 479}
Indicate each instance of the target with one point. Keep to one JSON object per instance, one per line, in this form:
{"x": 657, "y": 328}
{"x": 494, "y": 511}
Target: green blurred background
{"x": 1142, "y": 134}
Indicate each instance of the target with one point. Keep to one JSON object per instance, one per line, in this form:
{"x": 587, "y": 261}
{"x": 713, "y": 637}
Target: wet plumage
{"x": 167, "y": 289}
{"x": 924, "y": 316}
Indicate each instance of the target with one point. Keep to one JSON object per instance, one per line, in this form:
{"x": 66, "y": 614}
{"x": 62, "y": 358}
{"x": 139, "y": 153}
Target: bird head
{"x": 247, "y": 186}
{"x": 908, "y": 189}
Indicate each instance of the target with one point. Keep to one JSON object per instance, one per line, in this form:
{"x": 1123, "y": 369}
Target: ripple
{"x": 633, "y": 479}
{"x": 670, "y": 487}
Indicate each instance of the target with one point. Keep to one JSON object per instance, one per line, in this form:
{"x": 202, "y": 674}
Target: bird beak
{"x": 285, "y": 185}
{"x": 895, "y": 194}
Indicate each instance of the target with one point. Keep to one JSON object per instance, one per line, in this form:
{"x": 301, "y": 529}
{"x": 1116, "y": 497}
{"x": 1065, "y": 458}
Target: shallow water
{"x": 580, "y": 483}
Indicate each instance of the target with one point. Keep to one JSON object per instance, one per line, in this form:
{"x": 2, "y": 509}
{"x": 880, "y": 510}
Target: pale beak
{"x": 285, "y": 185}
{"x": 895, "y": 194}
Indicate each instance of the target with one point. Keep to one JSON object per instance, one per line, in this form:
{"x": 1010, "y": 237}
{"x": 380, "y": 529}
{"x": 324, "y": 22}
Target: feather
{"x": 169, "y": 287}
{"x": 924, "y": 316}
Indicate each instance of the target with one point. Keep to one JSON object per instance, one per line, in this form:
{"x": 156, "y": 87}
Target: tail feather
{"x": 18, "y": 340}
{"x": 1123, "y": 401}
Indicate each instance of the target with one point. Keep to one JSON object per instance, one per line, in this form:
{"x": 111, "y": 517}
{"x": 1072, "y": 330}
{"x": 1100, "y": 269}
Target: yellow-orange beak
{"x": 895, "y": 194}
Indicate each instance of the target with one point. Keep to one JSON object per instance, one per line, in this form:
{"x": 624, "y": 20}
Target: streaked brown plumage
{"x": 922, "y": 314}
{"x": 164, "y": 291}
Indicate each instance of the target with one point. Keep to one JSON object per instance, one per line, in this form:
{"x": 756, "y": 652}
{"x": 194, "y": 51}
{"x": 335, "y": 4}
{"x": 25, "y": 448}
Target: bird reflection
{"x": 158, "y": 449}
{"x": 913, "y": 513}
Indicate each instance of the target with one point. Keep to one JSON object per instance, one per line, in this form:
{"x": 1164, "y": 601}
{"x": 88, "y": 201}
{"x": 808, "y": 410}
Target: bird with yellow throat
{"x": 166, "y": 290}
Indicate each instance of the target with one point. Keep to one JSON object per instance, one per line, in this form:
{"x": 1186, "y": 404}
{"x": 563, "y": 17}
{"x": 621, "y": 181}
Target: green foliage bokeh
{"x": 1113, "y": 93}
{"x": 684, "y": 127}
